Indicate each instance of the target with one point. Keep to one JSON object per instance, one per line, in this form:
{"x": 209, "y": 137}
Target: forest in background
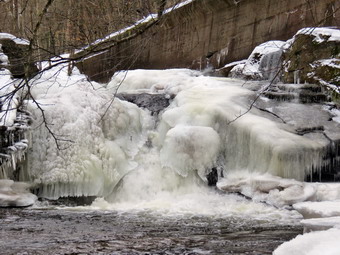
{"x": 70, "y": 24}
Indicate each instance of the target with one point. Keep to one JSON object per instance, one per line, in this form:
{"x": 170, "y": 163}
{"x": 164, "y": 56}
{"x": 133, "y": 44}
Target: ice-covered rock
{"x": 319, "y": 224}
{"x": 15, "y": 39}
{"x": 98, "y": 136}
{"x": 263, "y": 63}
{"x": 321, "y": 34}
{"x": 267, "y": 188}
{"x": 16, "y": 51}
{"x": 314, "y": 243}
{"x": 320, "y": 209}
{"x": 203, "y": 127}
{"x": 15, "y": 194}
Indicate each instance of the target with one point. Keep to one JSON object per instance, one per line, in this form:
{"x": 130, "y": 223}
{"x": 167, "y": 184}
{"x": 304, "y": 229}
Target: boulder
{"x": 313, "y": 57}
{"x": 17, "y": 58}
{"x": 153, "y": 102}
{"x": 264, "y": 63}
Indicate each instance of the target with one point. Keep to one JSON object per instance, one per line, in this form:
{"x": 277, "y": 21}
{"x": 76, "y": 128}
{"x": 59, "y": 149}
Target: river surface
{"x": 77, "y": 231}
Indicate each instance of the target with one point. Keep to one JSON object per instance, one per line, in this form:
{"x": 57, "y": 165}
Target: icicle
{"x": 297, "y": 77}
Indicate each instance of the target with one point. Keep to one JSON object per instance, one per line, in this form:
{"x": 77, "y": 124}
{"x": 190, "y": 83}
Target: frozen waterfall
{"x": 111, "y": 140}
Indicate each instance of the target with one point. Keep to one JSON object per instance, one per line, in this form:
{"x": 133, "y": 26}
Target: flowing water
{"x": 78, "y": 231}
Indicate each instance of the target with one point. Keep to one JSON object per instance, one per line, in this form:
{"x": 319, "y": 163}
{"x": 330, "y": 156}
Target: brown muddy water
{"x": 55, "y": 231}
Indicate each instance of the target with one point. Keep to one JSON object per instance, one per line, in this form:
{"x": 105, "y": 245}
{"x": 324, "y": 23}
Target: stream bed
{"x": 69, "y": 231}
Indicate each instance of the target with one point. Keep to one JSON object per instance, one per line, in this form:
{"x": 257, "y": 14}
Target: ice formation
{"x": 309, "y": 199}
{"x": 314, "y": 243}
{"x": 103, "y": 139}
{"x": 317, "y": 224}
{"x": 8, "y": 103}
{"x": 15, "y": 194}
{"x": 319, "y": 210}
{"x": 195, "y": 133}
{"x": 14, "y": 125}
{"x": 263, "y": 63}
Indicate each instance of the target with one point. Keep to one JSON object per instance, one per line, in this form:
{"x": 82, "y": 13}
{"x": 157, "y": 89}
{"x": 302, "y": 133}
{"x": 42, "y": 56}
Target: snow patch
{"x": 319, "y": 224}
{"x": 318, "y": 209}
{"x": 314, "y": 243}
{"x": 321, "y": 34}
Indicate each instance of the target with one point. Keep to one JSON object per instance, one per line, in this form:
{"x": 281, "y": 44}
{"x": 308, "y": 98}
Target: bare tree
{"x": 47, "y": 39}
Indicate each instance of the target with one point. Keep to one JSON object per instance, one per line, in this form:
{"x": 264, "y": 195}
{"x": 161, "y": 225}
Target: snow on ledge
{"x": 14, "y": 38}
{"x": 321, "y": 34}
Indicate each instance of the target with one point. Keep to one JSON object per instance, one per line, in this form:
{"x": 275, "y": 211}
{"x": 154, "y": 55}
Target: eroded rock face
{"x": 314, "y": 57}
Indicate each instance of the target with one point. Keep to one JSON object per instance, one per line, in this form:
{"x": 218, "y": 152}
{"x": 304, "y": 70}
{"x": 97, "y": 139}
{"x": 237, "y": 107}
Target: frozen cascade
{"x": 102, "y": 149}
{"x": 14, "y": 125}
{"x": 270, "y": 65}
{"x": 194, "y": 134}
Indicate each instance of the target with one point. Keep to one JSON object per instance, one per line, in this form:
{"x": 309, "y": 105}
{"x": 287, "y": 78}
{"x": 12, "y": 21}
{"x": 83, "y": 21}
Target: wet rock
{"x": 225, "y": 71}
{"x": 305, "y": 94}
{"x": 153, "y": 102}
{"x": 212, "y": 177}
{"x": 15, "y": 194}
{"x": 69, "y": 201}
{"x": 303, "y": 131}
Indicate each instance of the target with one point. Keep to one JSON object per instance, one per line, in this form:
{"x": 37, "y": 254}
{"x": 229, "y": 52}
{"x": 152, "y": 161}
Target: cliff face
{"x": 212, "y": 32}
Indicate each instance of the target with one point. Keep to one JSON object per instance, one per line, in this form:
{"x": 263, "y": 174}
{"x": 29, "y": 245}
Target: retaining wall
{"x": 211, "y": 32}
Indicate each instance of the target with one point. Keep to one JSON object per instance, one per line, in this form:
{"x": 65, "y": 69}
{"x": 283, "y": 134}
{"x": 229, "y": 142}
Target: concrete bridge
{"x": 214, "y": 32}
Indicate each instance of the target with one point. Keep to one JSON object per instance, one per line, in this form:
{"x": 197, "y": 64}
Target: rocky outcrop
{"x": 17, "y": 58}
{"x": 264, "y": 63}
{"x": 314, "y": 57}
{"x": 153, "y": 102}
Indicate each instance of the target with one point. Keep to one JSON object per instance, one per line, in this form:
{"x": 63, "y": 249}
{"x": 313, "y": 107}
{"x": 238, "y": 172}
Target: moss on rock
{"x": 314, "y": 61}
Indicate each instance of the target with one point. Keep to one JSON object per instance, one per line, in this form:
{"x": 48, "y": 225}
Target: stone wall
{"x": 211, "y": 32}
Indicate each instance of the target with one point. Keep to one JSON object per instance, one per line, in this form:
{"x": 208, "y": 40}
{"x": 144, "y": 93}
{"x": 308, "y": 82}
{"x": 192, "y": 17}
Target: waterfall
{"x": 270, "y": 66}
{"x": 114, "y": 141}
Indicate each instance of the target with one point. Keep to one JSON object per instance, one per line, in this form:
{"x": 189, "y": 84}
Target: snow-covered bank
{"x": 314, "y": 243}
{"x": 318, "y": 203}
